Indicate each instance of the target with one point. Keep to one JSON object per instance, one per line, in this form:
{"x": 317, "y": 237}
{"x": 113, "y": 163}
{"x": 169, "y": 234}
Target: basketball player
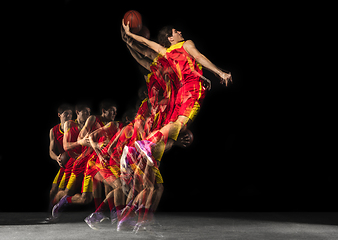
{"x": 93, "y": 123}
{"x": 56, "y": 133}
{"x": 186, "y": 61}
{"x": 73, "y": 146}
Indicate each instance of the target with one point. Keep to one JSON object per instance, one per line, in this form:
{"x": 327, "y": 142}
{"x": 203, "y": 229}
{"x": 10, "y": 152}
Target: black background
{"x": 255, "y": 145}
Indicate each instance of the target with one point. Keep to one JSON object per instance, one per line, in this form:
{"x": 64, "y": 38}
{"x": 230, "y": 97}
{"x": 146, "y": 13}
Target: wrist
{"x": 129, "y": 33}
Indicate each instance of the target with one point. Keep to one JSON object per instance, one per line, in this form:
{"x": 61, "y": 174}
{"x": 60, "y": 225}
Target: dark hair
{"x": 106, "y": 104}
{"x": 64, "y": 107}
{"x": 82, "y": 106}
{"x": 163, "y": 35}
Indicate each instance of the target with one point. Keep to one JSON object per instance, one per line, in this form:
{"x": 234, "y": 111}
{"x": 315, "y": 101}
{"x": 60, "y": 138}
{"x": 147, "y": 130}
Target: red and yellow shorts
{"x": 67, "y": 173}
{"x": 189, "y": 100}
{"x": 59, "y": 176}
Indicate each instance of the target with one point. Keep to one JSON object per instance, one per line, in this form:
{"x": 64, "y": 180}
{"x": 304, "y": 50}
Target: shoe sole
{"x": 144, "y": 154}
{"x": 123, "y": 158}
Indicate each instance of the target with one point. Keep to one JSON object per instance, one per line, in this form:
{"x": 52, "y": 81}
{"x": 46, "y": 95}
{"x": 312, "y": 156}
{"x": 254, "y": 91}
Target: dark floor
{"x": 226, "y": 225}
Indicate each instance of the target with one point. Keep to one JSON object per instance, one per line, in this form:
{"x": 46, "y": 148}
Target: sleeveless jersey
{"x": 185, "y": 66}
{"x": 74, "y": 131}
{"x": 58, "y": 135}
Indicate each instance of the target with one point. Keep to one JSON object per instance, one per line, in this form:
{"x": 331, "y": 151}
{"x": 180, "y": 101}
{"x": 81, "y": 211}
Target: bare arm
{"x": 141, "y": 60}
{"x": 189, "y": 46}
{"x": 67, "y": 144}
{"x": 153, "y": 45}
{"x": 107, "y": 131}
{"x": 87, "y": 127}
{"x": 136, "y": 46}
{"x": 52, "y": 146}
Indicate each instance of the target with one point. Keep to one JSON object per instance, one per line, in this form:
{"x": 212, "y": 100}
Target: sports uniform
{"x": 192, "y": 92}
{"x": 80, "y": 164}
{"x": 72, "y": 134}
{"x": 58, "y": 136}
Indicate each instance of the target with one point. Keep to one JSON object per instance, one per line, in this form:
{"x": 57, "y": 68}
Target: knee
{"x": 53, "y": 190}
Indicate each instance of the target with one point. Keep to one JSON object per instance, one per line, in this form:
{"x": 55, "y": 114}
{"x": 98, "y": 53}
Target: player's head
{"x": 129, "y": 116}
{"x": 168, "y": 36}
{"x": 65, "y": 112}
{"x": 108, "y": 109}
{"x": 82, "y": 111}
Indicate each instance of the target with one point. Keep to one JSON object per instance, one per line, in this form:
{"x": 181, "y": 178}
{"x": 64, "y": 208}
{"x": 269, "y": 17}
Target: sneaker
{"x": 59, "y": 207}
{"x": 128, "y": 222}
{"x": 113, "y": 216}
{"x": 50, "y": 220}
{"x": 94, "y": 219}
{"x": 149, "y": 228}
{"x": 128, "y": 156}
{"x": 144, "y": 147}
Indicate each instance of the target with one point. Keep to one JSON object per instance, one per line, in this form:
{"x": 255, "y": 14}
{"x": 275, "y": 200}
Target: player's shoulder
{"x": 93, "y": 118}
{"x": 69, "y": 124}
{"x": 56, "y": 127}
{"x": 188, "y": 43}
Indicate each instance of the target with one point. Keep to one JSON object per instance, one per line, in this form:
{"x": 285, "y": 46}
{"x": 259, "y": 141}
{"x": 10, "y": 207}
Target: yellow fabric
{"x": 63, "y": 182}
{"x": 87, "y": 184}
{"x": 158, "y": 176}
{"x": 56, "y": 177}
{"x": 177, "y": 45}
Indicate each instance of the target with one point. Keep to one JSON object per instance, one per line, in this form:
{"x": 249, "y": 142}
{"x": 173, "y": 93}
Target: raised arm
{"x": 189, "y": 46}
{"x": 153, "y": 45}
{"x": 137, "y": 47}
{"x": 144, "y": 62}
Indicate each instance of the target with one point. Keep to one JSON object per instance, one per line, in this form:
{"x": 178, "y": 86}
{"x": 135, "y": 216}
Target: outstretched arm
{"x": 144, "y": 62}
{"x": 153, "y": 45}
{"x": 189, "y": 46}
{"x": 136, "y": 46}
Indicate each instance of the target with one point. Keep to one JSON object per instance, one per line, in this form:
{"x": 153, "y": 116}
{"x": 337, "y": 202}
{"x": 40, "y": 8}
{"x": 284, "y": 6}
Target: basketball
{"x": 191, "y": 136}
{"x": 184, "y": 137}
{"x": 144, "y": 32}
{"x": 64, "y": 158}
{"x": 135, "y": 20}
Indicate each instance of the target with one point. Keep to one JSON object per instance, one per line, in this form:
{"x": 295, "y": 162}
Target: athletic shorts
{"x": 188, "y": 100}
{"x": 109, "y": 171}
{"x": 81, "y": 162}
{"x": 67, "y": 173}
{"x": 59, "y": 176}
{"x": 91, "y": 168}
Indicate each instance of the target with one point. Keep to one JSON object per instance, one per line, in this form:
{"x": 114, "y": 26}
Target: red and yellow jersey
{"x": 58, "y": 136}
{"x": 72, "y": 135}
{"x": 161, "y": 80}
{"x": 163, "y": 85}
{"x": 98, "y": 123}
{"x": 186, "y": 67}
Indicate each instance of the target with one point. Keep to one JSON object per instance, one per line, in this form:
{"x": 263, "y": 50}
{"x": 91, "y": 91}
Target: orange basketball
{"x": 135, "y": 20}
{"x": 64, "y": 158}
